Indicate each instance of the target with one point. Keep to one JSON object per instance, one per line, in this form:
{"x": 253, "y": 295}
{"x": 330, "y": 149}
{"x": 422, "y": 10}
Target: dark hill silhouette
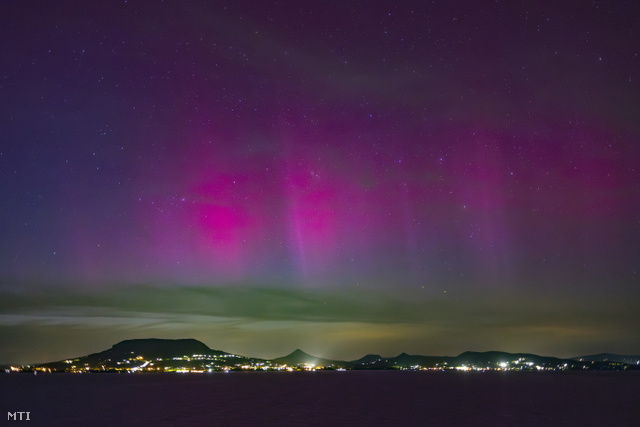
{"x": 494, "y": 358}
{"x": 610, "y": 357}
{"x": 160, "y": 348}
{"x": 407, "y": 360}
{"x": 190, "y": 354}
{"x": 299, "y": 357}
{"x": 148, "y": 349}
{"x": 403, "y": 360}
{"x": 368, "y": 359}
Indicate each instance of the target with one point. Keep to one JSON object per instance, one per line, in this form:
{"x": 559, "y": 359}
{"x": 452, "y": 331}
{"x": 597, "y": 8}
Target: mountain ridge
{"x": 169, "y": 355}
{"x": 605, "y": 357}
{"x": 299, "y": 357}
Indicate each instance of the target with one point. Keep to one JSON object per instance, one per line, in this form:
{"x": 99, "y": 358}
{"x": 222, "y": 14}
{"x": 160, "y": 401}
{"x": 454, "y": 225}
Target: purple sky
{"x": 346, "y": 177}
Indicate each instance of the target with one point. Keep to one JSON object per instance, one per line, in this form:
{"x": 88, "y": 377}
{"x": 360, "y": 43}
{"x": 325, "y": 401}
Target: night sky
{"x": 345, "y": 177}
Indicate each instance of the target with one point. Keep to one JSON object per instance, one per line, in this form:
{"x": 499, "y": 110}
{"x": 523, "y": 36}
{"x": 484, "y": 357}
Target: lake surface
{"x": 368, "y": 398}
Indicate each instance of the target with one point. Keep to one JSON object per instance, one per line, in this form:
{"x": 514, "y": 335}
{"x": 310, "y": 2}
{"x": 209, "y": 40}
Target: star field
{"x": 425, "y": 176}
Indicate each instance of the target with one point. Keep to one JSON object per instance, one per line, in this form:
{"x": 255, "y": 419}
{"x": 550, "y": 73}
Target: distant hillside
{"x": 138, "y": 353}
{"x": 610, "y": 357}
{"x": 368, "y": 359}
{"x": 299, "y": 358}
{"x": 151, "y": 348}
{"x": 190, "y": 355}
{"x": 493, "y": 358}
{"x": 488, "y": 359}
{"x": 407, "y": 360}
{"x": 403, "y": 360}
{"x": 160, "y": 348}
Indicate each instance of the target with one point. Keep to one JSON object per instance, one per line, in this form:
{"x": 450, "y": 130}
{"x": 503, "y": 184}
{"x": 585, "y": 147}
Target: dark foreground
{"x": 349, "y": 398}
